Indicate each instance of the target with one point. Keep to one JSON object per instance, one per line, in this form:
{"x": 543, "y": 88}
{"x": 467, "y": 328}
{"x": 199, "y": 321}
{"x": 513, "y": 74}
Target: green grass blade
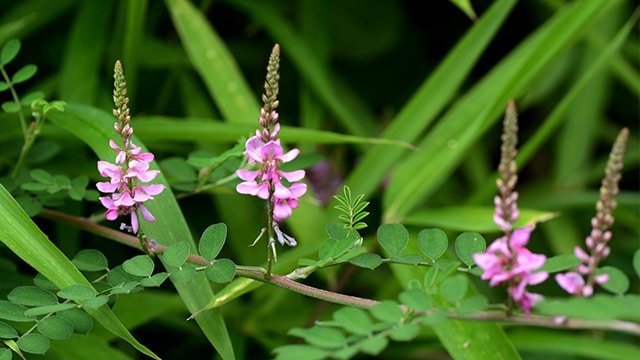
{"x": 556, "y": 344}
{"x": 81, "y": 69}
{"x": 134, "y": 31}
{"x": 95, "y": 128}
{"x": 434, "y": 94}
{"x": 214, "y": 63}
{"x": 351, "y": 114}
{"x": 446, "y": 145}
{"x": 163, "y": 128}
{"x": 550, "y": 125}
{"x": 24, "y": 238}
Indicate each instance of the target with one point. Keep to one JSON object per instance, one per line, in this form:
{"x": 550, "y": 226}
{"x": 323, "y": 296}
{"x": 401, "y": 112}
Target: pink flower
{"x": 266, "y": 181}
{"x": 507, "y": 260}
{"x": 126, "y": 184}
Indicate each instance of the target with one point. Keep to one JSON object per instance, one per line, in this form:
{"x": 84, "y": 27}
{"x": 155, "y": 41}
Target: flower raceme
{"x": 125, "y": 184}
{"x": 507, "y": 260}
{"x": 261, "y": 183}
{"x": 131, "y": 168}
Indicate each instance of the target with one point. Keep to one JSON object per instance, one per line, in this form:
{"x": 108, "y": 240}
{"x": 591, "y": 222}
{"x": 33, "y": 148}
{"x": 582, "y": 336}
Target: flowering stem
{"x": 285, "y": 282}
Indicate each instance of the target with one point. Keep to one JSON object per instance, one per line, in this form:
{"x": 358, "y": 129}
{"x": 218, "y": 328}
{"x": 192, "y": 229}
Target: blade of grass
{"x": 135, "y": 14}
{"x": 95, "y": 128}
{"x": 445, "y": 146}
{"x": 543, "y": 133}
{"x": 354, "y": 116}
{"x": 162, "y": 128}
{"x": 80, "y": 73}
{"x": 215, "y": 64}
{"x": 577, "y": 138}
{"x": 434, "y": 94}
{"x": 23, "y": 237}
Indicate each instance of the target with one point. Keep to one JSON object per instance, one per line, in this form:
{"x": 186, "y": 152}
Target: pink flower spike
{"x": 146, "y": 214}
{"x": 571, "y": 282}
{"x": 580, "y": 254}
{"x": 292, "y": 176}
{"x": 520, "y": 237}
{"x": 602, "y": 278}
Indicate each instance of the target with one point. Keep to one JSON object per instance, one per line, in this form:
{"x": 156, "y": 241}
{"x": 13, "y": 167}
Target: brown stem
{"x": 337, "y": 298}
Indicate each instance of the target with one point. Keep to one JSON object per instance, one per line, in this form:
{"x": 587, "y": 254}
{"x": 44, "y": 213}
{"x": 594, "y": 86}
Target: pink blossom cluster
{"x": 507, "y": 260}
{"x": 266, "y": 181}
{"x": 127, "y": 176}
{"x": 574, "y": 282}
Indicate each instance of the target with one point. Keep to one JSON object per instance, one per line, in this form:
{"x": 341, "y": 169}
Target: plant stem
{"x": 285, "y": 282}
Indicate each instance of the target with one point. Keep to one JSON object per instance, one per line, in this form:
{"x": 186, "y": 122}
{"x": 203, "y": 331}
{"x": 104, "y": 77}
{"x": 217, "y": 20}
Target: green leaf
{"x": 10, "y": 107}
{"x": 125, "y": 287}
{"x": 176, "y": 254}
{"x": 90, "y": 260}
{"x": 140, "y": 265}
{"x": 435, "y": 317}
{"x": 27, "y": 99}
{"x": 374, "y": 345}
{"x": 42, "y": 176}
{"x": 354, "y": 320}
{"x": 454, "y": 288}
{"x": 7, "y": 332}
{"x": 118, "y": 276}
{"x": 408, "y": 259}
{"x": 324, "y": 252}
{"x": 25, "y": 73}
{"x": 387, "y": 311}
{"x": 9, "y": 51}
{"x": 82, "y": 322}
{"x": 560, "y": 263}
{"x": 6, "y": 354}
{"x": 32, "y": 296}
{"x": 337, "y": 231}
{"x": 416, "y": 299}
{"x": 430, "y": 277}
{"x": 324, "y": 337}
{"x": 55, "y": 327}
{"x": 155, "y": 280}
{"x": 393, "y": 238}
{"x": 343, "y": 246}
{"x": 77, "y": 292}
{"x": 48, "y": 309}
{"x": 368, "y": 261}
{"x": 406, "y": 332}
{"x": 221, "y": 271}
{"x": 471, "y": 305}
{"x": 78, "y": 187}
{"x": 212, "y": 241}
{"x": 13, "y": 312}
{"x": 618, "y": 282}
{"x": 433, "y": 243}
{"x": 183, "y": 274}
{"x": 467, "y": 244}
{"x": 636, "y": 262}
{"x": 3, "y": 86}
{"x": 24, "y": 238}
{"x": 34, "y": 343}
{"x": 289, "y": 352}
{"x": 95, "y": 302}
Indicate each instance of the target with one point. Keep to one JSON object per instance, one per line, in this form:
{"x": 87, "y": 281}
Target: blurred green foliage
{"x": 401, "y": 70}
